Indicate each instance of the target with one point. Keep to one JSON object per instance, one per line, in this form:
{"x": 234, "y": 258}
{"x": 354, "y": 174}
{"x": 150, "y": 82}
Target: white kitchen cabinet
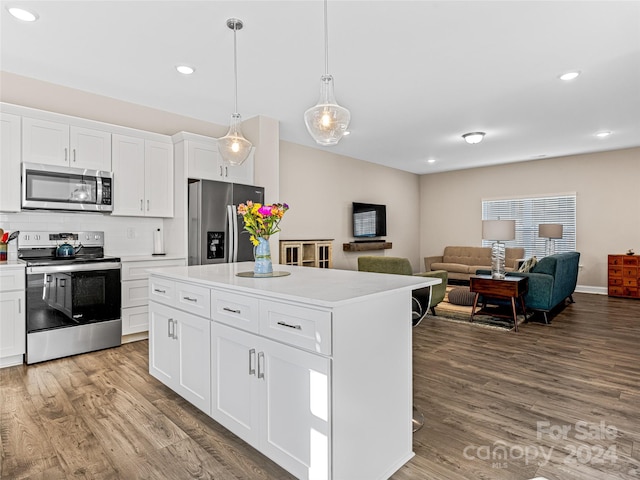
{"x": 143, "y": 177}
{"x": 296, "y": 369}
{"x": 10, "y": 158}
{"x": 252, "y": 383}
{"x": 61, "y": 144}
{"x": 12, "y": 315}
{"x": 204, "y": 161}
{"x": 135, "y": 291}
{"x": 179, "y": 353}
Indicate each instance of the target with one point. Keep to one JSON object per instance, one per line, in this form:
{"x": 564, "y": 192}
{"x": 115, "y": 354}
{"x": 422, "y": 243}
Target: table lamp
{"x": 498, "y": 231}
{"x": 550, "y": 231}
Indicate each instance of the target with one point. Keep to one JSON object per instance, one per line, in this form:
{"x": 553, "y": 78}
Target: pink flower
{"x": 265, "y": 210}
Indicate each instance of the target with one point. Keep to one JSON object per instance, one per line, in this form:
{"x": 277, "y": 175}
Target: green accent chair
{"x": 402, "y": 266}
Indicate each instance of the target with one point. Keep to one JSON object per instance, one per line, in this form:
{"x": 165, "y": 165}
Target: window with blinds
{"x": 531, "y": 212}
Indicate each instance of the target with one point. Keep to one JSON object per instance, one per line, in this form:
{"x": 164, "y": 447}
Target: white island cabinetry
{"x": 312, "y": 369}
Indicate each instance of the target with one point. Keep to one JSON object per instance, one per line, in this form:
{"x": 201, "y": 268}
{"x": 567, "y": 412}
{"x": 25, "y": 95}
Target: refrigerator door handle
{"x": 233, "y": 233}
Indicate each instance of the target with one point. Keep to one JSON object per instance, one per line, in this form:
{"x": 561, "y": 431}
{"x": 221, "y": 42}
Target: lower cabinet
{"x": 12, "y": 315}
{"x": 179, "y": 352}
{"x": 273, "y": 396}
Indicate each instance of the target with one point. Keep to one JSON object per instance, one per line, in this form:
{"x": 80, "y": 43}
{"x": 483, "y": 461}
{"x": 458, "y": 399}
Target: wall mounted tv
{"x": 369, "y": 220}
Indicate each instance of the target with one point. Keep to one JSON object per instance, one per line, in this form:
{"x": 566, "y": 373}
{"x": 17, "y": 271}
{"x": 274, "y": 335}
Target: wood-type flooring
{"x": 560, "y": 401}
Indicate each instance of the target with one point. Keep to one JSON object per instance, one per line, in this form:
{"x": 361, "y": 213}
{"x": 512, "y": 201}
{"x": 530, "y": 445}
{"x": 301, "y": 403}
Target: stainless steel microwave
{"x": 51, "y": 187}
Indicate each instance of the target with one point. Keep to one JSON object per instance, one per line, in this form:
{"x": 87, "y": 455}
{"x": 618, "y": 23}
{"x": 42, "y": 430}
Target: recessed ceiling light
{"x": 569, "y": 76}
{"x": 346, "y": 132}
{"x": 431, "y": 160}
{"x": 22, "y": 14}
{"x": 603, "y": 134}
{"x": 473, "y": 137}
{"x": 185, "y": 69}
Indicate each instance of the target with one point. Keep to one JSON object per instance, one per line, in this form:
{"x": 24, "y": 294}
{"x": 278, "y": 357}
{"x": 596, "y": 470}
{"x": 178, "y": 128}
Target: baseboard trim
{"x": 590, "y": 289}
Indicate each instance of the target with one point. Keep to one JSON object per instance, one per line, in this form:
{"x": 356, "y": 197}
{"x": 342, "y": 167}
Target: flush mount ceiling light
{"x": 327, "y": 121}
{"x": 233, "y": 147}
{"x": 569, "y": 76}
{"x": 22, "y": 14}
{"x": 473, "y": 137}
{"x": 185, "y": 69}
{"x": 603, "y": 134}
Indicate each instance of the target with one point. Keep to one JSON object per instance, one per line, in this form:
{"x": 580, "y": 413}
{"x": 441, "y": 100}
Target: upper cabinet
{"x": 142, "y": 177}
{"x": 204, "y": 161}
{"x": 10, "y": 160}
{"x": 61, "y": 144}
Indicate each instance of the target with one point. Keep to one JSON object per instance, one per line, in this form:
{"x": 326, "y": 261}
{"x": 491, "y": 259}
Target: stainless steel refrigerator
{"x": 216, "y": 231}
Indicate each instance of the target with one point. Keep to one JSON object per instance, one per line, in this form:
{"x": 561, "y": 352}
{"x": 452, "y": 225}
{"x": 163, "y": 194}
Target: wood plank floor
{"x": 560, "y": 401}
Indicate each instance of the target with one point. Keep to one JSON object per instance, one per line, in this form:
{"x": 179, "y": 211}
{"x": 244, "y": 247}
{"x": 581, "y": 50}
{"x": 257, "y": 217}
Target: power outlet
{"x": 131, "y": 233}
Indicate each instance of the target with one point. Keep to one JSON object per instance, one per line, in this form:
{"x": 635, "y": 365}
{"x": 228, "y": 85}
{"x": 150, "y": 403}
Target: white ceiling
{"x": 415, "y": 75}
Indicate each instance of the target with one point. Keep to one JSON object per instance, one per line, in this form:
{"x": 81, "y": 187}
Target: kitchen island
{"x": 313, "y": 369}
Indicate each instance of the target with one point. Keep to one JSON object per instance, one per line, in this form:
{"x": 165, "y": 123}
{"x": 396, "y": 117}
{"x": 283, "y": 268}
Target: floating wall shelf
{"x": 361, "y": 246}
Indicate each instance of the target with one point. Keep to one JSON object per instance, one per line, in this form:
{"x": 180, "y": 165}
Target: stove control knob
{"x": 26, "y": 237}
{"x": 36, "y": 237}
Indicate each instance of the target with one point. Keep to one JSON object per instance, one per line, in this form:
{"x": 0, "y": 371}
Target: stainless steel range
{"x": 73, "y": 296}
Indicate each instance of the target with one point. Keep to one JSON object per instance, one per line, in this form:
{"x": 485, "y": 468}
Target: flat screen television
{"x": 369, "y": 220}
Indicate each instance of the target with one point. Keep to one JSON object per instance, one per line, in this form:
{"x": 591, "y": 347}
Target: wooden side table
{"x": 508, "y": 288}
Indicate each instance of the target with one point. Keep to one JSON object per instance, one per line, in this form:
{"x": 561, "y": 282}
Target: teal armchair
{"x": 402, "y": 266}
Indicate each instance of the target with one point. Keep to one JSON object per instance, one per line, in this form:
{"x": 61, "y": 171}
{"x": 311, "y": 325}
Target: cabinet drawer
{"x": 238, "y": 311}
{"x": 161, "y": 290}
{"x": 615, "y": 271}
{"x": 306, "y": 328}
{"x": 615, "y": 260}
{"x": 135, "y": 293}
{"x": 194, "y": 299}
{"x": 140, "y": 270}
{"x": 11, "y": 279}
{"x": 135, "y": 320}
{"x": 630, "y": 260}
{"x": 629, "y": 282}
{"x": 630, "y": 272}
{"x": 615, "y": 280}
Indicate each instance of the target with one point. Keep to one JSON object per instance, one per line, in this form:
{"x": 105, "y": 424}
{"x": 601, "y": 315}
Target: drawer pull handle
{"x": 231, "y": 310}
{"x": 189, "y": 299}
{"x": 157, "y": 290}
{"x": 297, "y": 327}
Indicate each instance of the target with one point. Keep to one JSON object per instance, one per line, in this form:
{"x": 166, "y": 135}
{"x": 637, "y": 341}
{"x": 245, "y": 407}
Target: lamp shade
{"x": 499, "y": 230}
{"x": 550, "y": 230}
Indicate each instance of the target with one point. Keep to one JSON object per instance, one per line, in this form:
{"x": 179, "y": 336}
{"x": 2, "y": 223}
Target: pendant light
{"x": 233, "y": 147}
{"x": 327, "y": 121}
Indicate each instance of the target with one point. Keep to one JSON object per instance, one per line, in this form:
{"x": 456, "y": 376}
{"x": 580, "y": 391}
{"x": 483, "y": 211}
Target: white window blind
{"x": 531, "y": 212}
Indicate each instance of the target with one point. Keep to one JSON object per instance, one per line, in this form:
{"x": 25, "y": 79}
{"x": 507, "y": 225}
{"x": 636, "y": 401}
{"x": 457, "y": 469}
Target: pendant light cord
{"x": 235, "y": 68}
{"x": 326, "y": 40}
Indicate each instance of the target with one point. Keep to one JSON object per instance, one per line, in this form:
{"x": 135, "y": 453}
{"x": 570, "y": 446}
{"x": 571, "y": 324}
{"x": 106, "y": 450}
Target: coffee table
{"x": 508, "y": 288}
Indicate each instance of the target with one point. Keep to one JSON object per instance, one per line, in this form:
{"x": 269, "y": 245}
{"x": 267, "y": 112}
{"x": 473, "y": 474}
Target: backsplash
{"x": 124, "y": 236}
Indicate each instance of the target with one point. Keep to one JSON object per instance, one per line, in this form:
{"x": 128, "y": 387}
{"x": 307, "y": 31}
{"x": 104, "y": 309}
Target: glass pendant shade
{"x": 233, "y": 147}
{"x": 327, "y": 121}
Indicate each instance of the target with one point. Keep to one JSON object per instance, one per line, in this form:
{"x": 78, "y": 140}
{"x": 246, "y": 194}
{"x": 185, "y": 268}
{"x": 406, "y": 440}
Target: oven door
{"x": 70, "y": 295}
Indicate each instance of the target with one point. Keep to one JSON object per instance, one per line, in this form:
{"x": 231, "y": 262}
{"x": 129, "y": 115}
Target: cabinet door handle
{"x": 63, "y": 282}
{"x": 220, "y": 170}
{"x": 157, "y": 290}
{"x": 19, "y": 305}
{"x": 189, "y": 299}
{"x": 231, "y": 310}
{"x": 74, "y": 155}
{"x": 66, "y": 152}
{"x": 261, "y": 365}
{"x": 147, "y": 205}
{"x": 226, "y": 171}
{"x": 297, "y": 327}
{"x": 48, "y": 279}
{"x": 169, "y": 323}
{"x": 141, "y": 207}
{"x": 252, "y": 359}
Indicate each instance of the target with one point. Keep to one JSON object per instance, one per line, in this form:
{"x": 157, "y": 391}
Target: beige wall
{"x": 607, "y": 187}
{"x": 320, "y": 187}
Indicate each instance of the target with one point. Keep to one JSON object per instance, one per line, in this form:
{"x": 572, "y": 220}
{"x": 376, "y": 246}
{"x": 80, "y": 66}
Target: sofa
{"x": 402, "y": 266}
{"x": 552, "y": 281}
{"x": 462, "y": 262}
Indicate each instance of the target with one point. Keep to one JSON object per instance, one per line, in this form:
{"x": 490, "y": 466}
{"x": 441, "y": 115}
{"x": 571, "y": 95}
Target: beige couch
{"x": 462, "y": 262}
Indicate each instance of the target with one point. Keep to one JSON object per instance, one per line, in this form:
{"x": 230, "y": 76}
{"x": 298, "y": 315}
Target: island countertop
{"x": 325, "y": 287}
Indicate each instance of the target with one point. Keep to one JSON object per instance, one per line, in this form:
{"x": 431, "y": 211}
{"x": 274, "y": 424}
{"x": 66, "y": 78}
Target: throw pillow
{"x": 528, "y": 265}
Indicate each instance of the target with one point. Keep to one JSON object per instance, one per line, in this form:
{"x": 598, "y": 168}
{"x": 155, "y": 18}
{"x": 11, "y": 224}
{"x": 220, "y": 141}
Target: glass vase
{"x": 262, "y": 255}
